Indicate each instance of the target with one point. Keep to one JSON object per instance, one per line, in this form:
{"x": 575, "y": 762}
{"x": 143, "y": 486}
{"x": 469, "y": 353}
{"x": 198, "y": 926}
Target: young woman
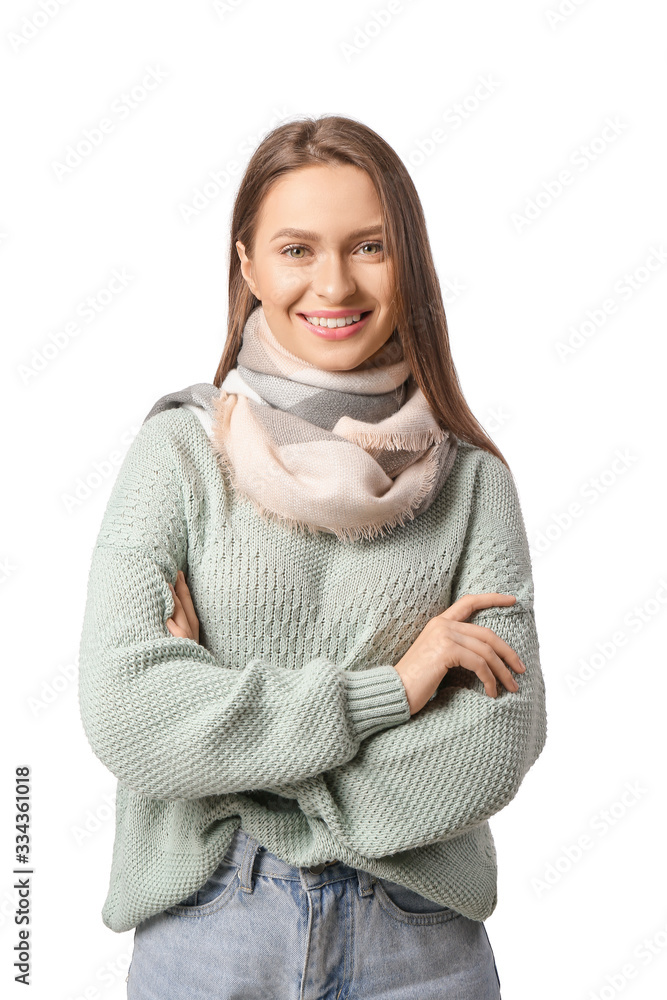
{"x": 309, "y": 651}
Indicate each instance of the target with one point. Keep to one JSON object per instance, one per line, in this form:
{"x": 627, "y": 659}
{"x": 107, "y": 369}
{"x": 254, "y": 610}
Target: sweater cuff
{"x": 376, "y": 699}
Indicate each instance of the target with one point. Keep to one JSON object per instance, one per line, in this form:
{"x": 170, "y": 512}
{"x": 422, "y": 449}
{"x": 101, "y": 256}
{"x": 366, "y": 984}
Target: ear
{"x": 247, "y": 268}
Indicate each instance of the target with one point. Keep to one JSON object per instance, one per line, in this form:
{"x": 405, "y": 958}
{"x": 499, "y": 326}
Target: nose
{"x": 333, "y": 279}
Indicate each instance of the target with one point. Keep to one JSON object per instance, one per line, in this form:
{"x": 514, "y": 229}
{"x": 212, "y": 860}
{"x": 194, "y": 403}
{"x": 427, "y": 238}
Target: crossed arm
{"x": 463, "y": 756}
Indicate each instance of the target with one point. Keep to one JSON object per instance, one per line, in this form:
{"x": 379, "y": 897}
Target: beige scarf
{"x": 351, "y": 453}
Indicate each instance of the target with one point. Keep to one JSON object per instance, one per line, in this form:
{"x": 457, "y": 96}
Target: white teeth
{"x": 331, "y": 323}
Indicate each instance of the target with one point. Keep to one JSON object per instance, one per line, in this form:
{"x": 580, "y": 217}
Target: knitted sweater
{"x": 288, "y": 718}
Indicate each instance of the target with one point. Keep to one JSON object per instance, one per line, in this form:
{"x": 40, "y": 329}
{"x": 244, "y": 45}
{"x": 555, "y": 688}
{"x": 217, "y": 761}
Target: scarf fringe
{"x": 367, "y": 532}
{"x": 397, "y": 440}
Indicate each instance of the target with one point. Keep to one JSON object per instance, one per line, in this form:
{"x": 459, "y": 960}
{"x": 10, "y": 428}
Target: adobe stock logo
{"x": 96, "y": 135}
{"x": 643, "y": 954}
{"x": 599, "y": 826}
{"x": 89, "y": 309}
{"x": 624, "y": 289}
{"x": 453, "y": 118}
{"x": 555, "y": 187}
{"x": 559, "y": 14}
{"x": 32, "y": 24}
{"x": 365, "y": 33}
{"x": 634, "y": 621}
{"x": 591, "y": 491}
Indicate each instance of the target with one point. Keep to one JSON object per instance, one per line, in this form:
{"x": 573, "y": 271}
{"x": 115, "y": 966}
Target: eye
{"x": 287, "y": 251}
{"x": 294, "y": 246}
{"x": 373, "y": 244}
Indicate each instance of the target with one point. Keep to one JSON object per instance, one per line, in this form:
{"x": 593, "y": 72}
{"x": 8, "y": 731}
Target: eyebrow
{"x": 307, "y": 234}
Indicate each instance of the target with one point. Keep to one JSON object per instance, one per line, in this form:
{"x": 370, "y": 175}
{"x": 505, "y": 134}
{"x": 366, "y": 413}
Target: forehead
{"x": 329, "y": 200}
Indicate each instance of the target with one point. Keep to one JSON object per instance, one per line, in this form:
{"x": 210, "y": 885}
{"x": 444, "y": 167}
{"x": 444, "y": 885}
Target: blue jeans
{"x": 260, "y": 929}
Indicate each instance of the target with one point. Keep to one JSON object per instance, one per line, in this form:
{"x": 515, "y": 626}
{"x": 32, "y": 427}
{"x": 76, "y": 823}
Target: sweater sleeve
{"x": 463, "y": 756}
{"x": 162, "y": 713}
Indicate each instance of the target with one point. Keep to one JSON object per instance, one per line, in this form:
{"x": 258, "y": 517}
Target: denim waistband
{"x": 253, "y": 858}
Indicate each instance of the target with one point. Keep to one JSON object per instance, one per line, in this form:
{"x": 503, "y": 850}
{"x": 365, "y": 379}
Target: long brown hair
{"x": 421, "y": 323}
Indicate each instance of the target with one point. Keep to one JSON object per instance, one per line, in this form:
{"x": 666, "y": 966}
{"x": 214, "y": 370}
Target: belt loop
{"x": 366, "y": 882}
{"x": 245, "y": 871}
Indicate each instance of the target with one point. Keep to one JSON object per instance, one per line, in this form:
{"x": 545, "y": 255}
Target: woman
{"x": 308, "y": 733}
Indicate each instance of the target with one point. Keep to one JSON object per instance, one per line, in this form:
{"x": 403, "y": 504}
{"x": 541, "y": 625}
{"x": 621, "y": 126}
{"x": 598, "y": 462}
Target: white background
{"x": 582, "y": 427}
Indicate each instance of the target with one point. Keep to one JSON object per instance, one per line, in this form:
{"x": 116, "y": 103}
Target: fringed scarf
{"x": 351, "y": 453}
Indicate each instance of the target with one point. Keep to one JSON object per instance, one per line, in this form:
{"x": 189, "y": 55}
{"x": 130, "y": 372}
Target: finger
{"x": 487, "y": 634}
{"x": 175, "y": 630}
{"x": 469, "y": 603}
{"x": 179, "y": 616}
{"x": 183, "y": 592}
{"x": 470, "y": 660}
{"x": 496, "y": 665}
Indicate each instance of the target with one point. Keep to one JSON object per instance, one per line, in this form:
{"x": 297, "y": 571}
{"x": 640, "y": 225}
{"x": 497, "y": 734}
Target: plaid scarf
{"x": 351, "y": 453}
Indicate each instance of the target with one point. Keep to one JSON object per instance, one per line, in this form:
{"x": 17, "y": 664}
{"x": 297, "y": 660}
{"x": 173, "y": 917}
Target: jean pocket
{"x": 216, "y": 891}
{"x": 410, "y": 907}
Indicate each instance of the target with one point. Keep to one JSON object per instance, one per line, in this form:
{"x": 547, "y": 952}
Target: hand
{"x": 184, "y": 623}
{"x": 449, "y": 641}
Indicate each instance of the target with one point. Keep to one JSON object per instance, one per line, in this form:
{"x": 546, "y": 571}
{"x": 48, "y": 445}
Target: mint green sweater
{"x": 288, "y": 717}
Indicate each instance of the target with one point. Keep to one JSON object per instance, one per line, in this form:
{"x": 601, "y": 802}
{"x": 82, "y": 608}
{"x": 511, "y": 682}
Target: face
{"x": 319, "y": 254}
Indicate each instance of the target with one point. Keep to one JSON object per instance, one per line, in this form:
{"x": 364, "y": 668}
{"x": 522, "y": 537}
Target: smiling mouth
{"x": 335, "y": 322}
{"x": 347, "y": 328}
